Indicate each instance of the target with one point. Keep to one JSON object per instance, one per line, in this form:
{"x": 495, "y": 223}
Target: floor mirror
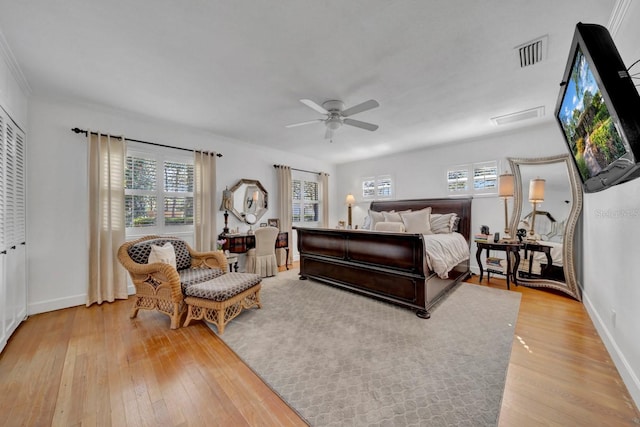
{"x": 546, "y": 213}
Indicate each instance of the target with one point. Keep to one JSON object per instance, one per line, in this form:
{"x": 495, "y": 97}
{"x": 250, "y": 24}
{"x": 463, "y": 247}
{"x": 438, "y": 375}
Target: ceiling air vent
{"x": 532, "y": 52}
{"x": 532, "y": 113}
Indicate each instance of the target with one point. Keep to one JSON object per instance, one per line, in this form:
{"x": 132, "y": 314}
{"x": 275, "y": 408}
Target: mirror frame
{"x": 570, "y": 286}
{"x": 260, "y": 211}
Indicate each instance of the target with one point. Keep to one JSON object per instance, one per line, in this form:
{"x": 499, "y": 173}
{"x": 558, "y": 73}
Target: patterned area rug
{"x": 342, "y": 359}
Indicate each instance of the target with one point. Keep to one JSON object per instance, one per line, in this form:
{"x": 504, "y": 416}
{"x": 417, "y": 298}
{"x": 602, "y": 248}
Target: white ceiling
{"x": 439, "y": 69}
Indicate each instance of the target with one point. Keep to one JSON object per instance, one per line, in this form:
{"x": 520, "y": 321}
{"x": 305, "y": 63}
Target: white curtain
{"x": 204, "y": 201}
{"x": 106, "y": 164}
{"x": 324, "y": 184}
{"x": 284, "y": 191}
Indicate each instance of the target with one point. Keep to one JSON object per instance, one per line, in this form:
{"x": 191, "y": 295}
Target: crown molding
{"x": 12, "y": 64}
{"x": 618, "y": 14}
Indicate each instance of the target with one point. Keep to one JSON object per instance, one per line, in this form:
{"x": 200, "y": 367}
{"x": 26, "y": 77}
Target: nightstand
{"x": 533, "y": 246}
{"x": 498, "y": 268}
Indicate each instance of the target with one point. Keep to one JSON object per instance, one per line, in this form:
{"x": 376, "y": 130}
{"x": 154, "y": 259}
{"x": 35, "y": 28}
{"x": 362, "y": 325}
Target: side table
{"x": 532, "y": 246}
{"x": 506, "y": 247}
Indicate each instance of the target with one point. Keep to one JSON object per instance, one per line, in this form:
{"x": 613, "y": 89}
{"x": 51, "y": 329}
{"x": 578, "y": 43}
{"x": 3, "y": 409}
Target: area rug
{"x": 343, "y": 359}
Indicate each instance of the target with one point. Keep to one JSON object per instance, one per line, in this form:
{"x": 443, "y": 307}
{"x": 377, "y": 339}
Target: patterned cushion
{"x": 140, "y": 251}
{"x": 223, "y": 287}
{"x": 191, "y": 276}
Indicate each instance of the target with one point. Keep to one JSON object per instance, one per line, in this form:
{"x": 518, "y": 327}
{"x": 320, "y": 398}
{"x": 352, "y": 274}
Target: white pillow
{"x": 367, "y": 223}
{"x": 391, "y": 226}
{"x": 418, "y": 221}
{"x": 165, "y": 254}
{"x": 376, "y": 217}
{"x": 392, "y": 216}
{"x": 442, "y": 223}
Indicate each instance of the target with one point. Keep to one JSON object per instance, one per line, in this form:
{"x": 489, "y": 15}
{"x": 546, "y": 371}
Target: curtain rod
{"x": 78, "y": 130}
{"x": 299, "y": 170}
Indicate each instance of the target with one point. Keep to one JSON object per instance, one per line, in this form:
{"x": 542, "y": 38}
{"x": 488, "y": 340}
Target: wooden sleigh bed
{"x": 388, "y": 266}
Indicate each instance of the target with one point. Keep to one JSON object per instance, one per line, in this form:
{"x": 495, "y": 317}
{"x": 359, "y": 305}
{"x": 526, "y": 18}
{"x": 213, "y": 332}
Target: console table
{"x": 241, "y": 243}
{"x": 506, "y": 247}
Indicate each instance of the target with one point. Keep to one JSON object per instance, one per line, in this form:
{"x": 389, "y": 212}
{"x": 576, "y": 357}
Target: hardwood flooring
{"x": 95, "y": 366}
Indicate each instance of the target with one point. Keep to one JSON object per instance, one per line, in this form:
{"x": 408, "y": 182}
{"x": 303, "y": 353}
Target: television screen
{"x": 598, "y": 111}
{"x": 592, "y": 136}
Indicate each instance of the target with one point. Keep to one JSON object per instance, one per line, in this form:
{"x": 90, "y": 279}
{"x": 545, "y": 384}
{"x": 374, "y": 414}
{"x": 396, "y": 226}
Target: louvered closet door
{"x": 4, "y": 336}
{"x": 19, "y": 223}
{"x": 12, "y": 227}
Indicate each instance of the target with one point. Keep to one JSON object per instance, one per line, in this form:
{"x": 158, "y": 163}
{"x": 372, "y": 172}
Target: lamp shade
{"x": 505, "y": 185}
{"x": 350, "y": 200}
{"x": 536, "y": 190}
{"x": 227, "y": 200}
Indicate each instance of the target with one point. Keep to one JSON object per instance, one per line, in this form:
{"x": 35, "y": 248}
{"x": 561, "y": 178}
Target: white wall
{"x": 612, "y": 232}
{"x": 57, "y": 237}
{"x": 422, "y": 173}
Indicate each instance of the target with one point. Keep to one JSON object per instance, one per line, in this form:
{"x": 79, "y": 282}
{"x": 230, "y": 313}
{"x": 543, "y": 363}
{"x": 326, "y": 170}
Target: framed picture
{"x": 263, "y": 224}
{"x": 274, "y": 222}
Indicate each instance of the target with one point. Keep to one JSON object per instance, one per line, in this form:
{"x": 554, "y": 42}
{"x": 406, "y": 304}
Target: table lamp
{"x": 350, "y": 202}
{"x": 536, "y": 195}
{"x": 505, "y": 190}
{"x": 227, "y": 203}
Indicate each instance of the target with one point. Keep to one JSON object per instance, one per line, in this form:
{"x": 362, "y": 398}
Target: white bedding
{"x": 556, "y": 253}
{"x": 444, "y": 252}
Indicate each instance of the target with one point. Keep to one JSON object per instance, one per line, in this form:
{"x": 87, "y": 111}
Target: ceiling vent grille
{"x": 531, "y": 113}
{"x": 532, "y": 52}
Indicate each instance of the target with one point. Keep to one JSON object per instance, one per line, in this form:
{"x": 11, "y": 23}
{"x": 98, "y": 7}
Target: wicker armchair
{"x": 160, "y": 286}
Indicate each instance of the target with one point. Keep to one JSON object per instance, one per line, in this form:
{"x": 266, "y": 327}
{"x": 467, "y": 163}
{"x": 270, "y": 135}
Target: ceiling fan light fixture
{"x": 336, "y": 115}
{"x": 334, "y": 123}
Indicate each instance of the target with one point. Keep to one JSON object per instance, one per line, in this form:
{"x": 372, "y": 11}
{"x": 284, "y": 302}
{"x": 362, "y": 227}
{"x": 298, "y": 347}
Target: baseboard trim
{"x": 56, "y": 304}
{"x": 65, "y": 302}
{"x": 629, "y": 377}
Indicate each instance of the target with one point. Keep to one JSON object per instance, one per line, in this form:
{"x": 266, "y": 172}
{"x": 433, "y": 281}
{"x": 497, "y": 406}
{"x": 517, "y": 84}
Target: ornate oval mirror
{"x": 546, "y": 210}
{"x": 249, "y": 198}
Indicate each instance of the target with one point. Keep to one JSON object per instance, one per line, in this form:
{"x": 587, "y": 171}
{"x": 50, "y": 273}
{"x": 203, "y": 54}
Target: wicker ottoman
{"x": 221, "y": 299}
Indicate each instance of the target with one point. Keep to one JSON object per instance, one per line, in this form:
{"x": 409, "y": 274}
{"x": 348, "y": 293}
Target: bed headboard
{"x": 460, "y": 205}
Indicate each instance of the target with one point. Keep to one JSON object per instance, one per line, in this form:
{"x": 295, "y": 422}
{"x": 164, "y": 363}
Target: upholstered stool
{"x": 221, "y": 299}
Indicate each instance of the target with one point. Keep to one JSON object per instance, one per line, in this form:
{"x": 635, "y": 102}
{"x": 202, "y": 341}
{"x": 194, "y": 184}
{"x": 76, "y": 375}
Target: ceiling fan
{"x": 337, "y": 115}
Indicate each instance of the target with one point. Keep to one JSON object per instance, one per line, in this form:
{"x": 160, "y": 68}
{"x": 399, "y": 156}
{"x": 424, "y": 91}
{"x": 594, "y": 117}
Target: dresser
{"x": 241, "y": 243}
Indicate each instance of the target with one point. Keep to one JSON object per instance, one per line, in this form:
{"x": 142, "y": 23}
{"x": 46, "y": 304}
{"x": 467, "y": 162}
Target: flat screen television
{"x": 598, "y": 110}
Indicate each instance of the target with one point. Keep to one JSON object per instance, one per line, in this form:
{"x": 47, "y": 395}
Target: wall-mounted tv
{"x": 599, "y": 111}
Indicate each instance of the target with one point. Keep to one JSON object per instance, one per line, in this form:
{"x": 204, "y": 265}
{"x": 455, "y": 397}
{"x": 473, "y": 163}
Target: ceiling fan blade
{"x": 359, "y": 124}
{"x": 308, "y": 122}
{"x": 309, "y": 103}
{"x": 367, "y": 105}
{"x": 328, "y": 134}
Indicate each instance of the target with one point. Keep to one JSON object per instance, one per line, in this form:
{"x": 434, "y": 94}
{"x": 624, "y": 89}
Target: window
{"x": 457, "y": 179}
{"x": 305, "y": 199}
{"x": 485, "y": 178}
{"x": 158, "y": 191}
{"x": 377, "y": 187}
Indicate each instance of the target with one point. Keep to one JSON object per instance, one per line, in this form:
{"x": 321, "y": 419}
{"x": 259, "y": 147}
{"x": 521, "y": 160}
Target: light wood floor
{"x": 95, "y": 366}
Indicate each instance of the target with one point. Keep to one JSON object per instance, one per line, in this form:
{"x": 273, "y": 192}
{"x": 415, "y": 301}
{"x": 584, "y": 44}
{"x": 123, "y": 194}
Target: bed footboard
{"x": 388, "y": 266}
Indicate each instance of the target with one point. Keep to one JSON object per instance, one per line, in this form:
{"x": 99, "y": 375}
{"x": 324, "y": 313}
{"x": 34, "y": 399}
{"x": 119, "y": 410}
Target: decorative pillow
{"x": 442, "y": 223}
{"x": 165, "y": 254}
{"x": 376, "y": 217}
{"x": 390, "y": 226}
{"x": 455, "y": 223}
{"x": 392, "y": 216}
{"x": 417, "y": 221}
{"x": 367, "y": 223}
